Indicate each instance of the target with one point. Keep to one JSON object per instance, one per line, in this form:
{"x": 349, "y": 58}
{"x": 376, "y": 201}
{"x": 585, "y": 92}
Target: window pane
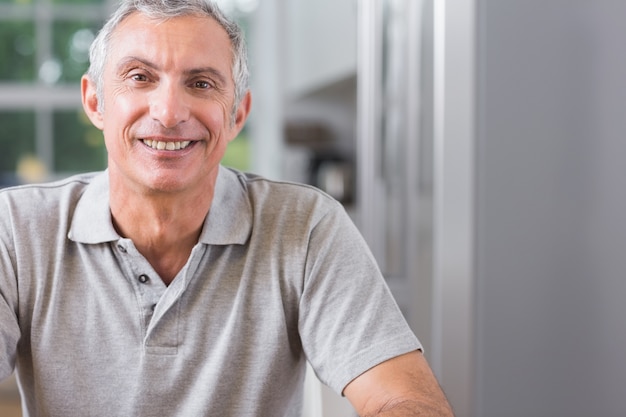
{"x": 17, "y": 140}
{"x": 78, "y": 145}
{"x": 20, "y": 2}
{"x": 71, "y": 47}
{"x": 17, "y": 51}
{"x": 76, "y": 1}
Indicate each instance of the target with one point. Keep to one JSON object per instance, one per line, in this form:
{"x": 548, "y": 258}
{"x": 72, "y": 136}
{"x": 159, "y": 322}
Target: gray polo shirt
{"x": 280, "y": 275}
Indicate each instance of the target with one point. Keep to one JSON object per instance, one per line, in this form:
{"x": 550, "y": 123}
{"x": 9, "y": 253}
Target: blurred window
{"x": 44, "y": 51}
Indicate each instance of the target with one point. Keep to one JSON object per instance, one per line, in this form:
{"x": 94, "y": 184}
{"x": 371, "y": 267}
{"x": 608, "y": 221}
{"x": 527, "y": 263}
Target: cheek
{"x": 215, "y": 117}
{"x": 120, "y": 111}
{"x": 127, "y": 103}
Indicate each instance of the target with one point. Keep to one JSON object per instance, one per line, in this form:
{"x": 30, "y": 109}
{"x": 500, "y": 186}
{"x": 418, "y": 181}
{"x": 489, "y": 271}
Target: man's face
{"x": 168, "y": 95}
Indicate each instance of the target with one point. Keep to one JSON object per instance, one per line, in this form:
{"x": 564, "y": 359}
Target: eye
{"x": 201, "y": 85}
{"x": 138, "y": 77}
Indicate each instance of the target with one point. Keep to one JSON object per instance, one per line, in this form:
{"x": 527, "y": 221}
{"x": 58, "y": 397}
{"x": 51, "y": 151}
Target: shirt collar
{"x": 229, "y": 220}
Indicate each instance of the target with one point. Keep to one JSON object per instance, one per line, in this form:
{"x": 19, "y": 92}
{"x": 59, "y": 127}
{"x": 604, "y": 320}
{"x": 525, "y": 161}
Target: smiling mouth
{"x": 168, "y": 146}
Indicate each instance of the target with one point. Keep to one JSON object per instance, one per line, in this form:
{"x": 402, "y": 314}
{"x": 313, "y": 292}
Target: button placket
{"x": 147, "y": 286}
{"x": 159, "y": 304}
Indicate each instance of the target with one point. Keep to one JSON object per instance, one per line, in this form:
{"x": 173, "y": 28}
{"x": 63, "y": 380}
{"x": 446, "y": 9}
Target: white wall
{"x": 320, "y": 43}
{"x": 550, "y": 226}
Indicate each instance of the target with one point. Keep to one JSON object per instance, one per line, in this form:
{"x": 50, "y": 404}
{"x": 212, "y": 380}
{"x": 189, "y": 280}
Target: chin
{"x": 174, "y": 183}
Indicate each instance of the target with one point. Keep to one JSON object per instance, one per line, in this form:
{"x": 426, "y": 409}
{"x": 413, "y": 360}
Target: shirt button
{"x": 121, "y": 248}
{"x": 143, "y": 278}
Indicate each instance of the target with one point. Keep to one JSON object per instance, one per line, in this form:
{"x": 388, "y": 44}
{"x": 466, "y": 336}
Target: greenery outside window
{"x": 44, "y": 50}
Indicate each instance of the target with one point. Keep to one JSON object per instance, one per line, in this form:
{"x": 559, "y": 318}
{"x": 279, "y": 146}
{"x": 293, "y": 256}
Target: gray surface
{"x": 551, "y": 235}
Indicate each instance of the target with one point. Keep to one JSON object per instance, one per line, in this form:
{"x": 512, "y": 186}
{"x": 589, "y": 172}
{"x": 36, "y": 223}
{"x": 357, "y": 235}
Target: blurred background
{"x": 478, "y": 145}
{"x": 44, "y": 51}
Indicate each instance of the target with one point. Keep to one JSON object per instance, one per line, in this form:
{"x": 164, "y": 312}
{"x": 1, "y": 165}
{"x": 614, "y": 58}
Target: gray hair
{"x": 163, "y": 10}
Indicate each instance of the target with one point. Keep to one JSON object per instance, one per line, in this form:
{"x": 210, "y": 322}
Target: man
{"x": 171, "y": 286}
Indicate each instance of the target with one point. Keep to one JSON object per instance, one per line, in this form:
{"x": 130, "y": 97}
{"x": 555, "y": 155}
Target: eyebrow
{"x": 192, "y": 71}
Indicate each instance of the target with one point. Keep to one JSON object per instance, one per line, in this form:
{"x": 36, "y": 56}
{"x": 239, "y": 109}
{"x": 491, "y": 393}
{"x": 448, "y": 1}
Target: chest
{"x": 109, "y": 294}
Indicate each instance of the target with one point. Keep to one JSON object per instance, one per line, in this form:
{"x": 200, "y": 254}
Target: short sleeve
{"x": 9, "y": 328}
{"x": 349, "y": 321}
{"x": 9, "y": 336}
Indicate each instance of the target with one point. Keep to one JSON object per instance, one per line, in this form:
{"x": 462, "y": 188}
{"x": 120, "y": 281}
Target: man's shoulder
{"x": 284, "y": 191}
{"x": 74, "y": 182}
{"x": 286, "y": 205}
{"x": 55, "y": 195}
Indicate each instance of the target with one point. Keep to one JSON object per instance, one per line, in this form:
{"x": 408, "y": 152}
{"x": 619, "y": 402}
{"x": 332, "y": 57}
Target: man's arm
{"x": 404, "y": 386}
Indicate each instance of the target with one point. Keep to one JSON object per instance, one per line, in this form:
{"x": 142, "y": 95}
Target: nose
{"x": 168, "y": 105}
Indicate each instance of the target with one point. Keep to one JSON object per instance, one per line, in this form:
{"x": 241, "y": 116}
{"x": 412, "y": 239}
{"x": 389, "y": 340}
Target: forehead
{"x": 185, "y": 40}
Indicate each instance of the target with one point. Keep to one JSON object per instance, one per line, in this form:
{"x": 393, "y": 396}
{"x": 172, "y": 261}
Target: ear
{"x": 90, "y": 101}
{"x": 242, "y": 113}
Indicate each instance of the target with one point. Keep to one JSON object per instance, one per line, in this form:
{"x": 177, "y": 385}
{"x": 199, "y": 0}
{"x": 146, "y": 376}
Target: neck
{"x": 164, "y": 227}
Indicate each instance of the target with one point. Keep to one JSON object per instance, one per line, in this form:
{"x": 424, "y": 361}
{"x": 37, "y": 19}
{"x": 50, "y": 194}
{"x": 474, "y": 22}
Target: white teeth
{"x": 170, "y": 146}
